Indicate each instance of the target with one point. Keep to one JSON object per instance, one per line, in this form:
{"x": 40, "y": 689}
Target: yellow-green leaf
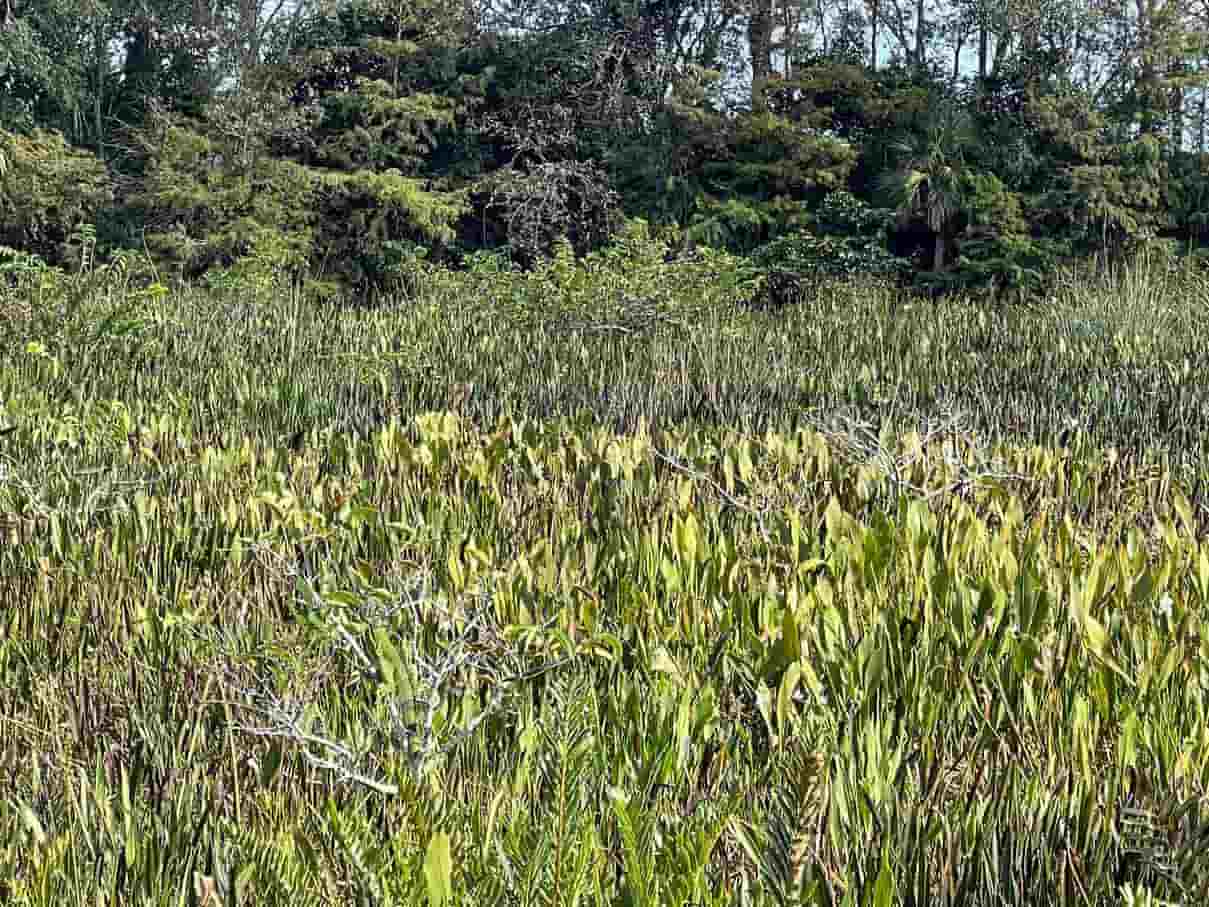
{"x": 438, "y": 870}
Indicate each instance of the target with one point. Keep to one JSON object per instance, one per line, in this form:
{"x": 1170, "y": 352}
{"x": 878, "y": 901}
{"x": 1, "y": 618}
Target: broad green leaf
{"x": 686, "y": 537}
{"x": 743, "y": 455}
{"x": 1184, "y": 510}
{"x": 789, "y": 684}
{"x": 438, "y": 870}
{"x": 390, "y": 665}
{"x": 883, "y": 888}
{"x": 457, "y": 575}
{"x": 791, "y": 638}
{"x": 1094, "y": 634}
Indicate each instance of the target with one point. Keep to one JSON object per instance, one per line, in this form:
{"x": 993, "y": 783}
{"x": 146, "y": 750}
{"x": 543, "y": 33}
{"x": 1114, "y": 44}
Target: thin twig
{"x": 722, "y": 492}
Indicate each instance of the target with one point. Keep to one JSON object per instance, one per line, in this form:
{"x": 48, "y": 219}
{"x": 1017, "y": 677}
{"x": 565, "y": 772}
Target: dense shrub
{"x": 210, "y": 211}
{"x": 846, "y": 238}
{"x": 202, "y": 209}
{"x": 996, "y": 252}
{"x": 634, "y": 283}
{"x": 48, "y": 190}
{"x": 365, "y": 221}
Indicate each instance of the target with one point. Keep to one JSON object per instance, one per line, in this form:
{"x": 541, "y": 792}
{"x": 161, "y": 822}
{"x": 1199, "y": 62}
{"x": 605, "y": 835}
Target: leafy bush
{"x": 846, "y": 239}
{"x": 999, "y": 264}
{"x": 634, "y": 283}
{"x": 738, "y": 225}
{"x": 47, "y": 191}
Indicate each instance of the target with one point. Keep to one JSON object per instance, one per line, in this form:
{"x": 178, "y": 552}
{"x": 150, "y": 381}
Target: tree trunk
{"x": 394, "y": 69}
{"x": 1147, "y": 85}
{"x": 921, "y": 28}
{"x": 102, "y": 68}
{"x": 1003, "y": 44}
{"x": 983, "y": 37}
{"x": 1177, "y": 118}
{"x": 938, "y": 254}
{"x": 874, "y": 15}
{"x": 250, "y": 29}
{"x": 140, "y": 68}
{"x": 759, "y": 37}
{"x": 1200, "y": 138}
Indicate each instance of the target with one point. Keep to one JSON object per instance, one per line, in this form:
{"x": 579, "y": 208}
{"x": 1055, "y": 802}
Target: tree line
{"x": 953, "y": 143}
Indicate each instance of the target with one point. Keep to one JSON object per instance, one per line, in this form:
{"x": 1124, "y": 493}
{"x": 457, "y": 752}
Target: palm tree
{"x": 928, "y": 181}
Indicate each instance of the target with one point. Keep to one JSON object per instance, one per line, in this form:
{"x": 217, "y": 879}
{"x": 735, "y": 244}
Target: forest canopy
{"x": 952, "y": 143}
